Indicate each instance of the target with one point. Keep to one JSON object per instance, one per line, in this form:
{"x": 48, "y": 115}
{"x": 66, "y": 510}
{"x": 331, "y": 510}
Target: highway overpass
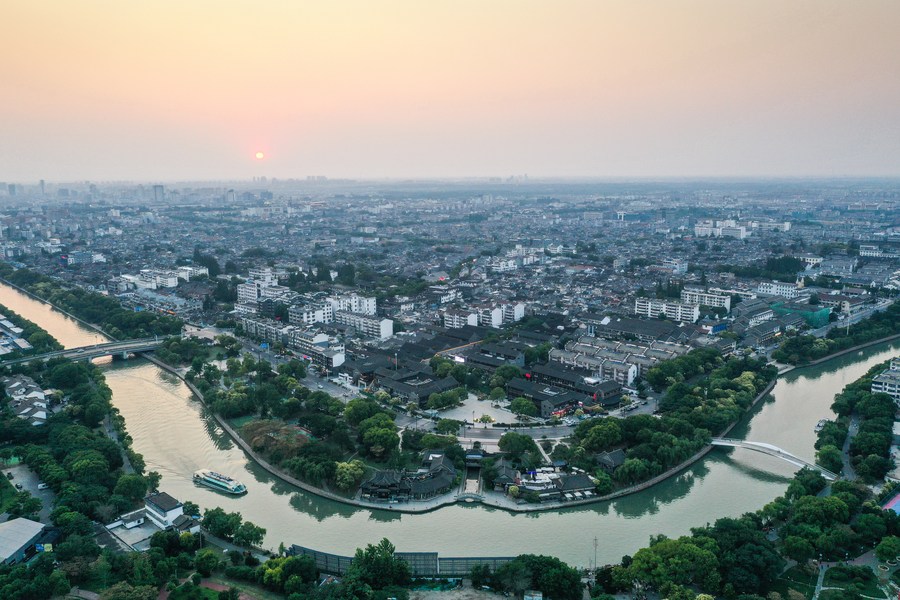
{"x": 121, "y": 349}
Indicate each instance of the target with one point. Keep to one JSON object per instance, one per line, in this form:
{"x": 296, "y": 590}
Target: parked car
{"x": 9, "y": 475}
{"x": 43, "y": 486}
{"x": 18, "y": 486}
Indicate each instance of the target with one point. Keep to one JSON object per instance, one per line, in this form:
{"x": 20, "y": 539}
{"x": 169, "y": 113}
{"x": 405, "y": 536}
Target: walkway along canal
{"x": 177, "y": 436}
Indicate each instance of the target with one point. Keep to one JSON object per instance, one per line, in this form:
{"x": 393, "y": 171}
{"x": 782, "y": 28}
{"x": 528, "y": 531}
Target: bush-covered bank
{"x": 870, "y": 448}
{"x": 93, "y": 307}
{"x": 801, "y": 349}
{"x": 40, "y": 340}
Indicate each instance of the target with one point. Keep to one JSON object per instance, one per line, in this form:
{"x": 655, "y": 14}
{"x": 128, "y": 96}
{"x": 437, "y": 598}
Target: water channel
{"x": 176, "y": 437}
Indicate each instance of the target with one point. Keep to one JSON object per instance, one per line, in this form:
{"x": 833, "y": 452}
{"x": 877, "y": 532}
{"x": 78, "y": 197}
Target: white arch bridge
{"x": 775, "y": 451}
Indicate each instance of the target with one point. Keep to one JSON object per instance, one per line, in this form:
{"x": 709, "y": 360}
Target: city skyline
{"x": 105, "y": 91}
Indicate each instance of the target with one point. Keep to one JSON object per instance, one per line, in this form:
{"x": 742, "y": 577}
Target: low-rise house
{"x": 610, "y": 461}
{"x": 160, "y": 512}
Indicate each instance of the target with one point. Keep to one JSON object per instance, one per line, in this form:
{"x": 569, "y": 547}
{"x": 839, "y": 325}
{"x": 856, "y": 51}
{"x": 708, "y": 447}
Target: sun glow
{"x": 260, "y": 156}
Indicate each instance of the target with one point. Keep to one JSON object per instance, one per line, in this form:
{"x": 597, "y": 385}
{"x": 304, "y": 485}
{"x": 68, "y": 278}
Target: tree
{"x": 602, "y": 436}
{"x": 480, "y": 576}
{"x": 206, "y": 561}
{"x": 516, "y": 444}
{"x": 447, "y": 427}
{"x": 131, "y": 486}
{"x": 248, "y": 534}
{"x": 125, "y": 591}
{"x": 190, "y": 508}
{"x": 888, "y": 549}
{"x": 347, "y": 475}
{"x": 378, "y": 567}
{"x": 523, "y": 406}
{"x": 221, "y": 524}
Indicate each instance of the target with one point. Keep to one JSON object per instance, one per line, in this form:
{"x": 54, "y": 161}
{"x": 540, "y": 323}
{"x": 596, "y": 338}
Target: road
{"x": 28, "y": 479}
{"x": 853, "y": 319}
{"x": 852, "y": 430}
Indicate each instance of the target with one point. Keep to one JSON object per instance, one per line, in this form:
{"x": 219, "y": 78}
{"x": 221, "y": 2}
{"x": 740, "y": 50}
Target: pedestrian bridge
{"x": 116, "y": 349}
{"x": 775, "y": 451}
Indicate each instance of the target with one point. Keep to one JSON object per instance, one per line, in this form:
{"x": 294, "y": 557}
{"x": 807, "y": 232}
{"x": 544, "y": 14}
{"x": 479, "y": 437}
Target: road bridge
{"x": 775, "y": 451}
{"x": 116, "y": 349}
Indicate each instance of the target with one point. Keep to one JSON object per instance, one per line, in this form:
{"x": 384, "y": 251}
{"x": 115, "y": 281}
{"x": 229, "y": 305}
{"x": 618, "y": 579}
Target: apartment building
{"x": 353, "y": 303}
{"x": 676, "y": 311}
{"x": 307, "y": 314}
{"x": 457, "y": 319}
{"x": 365, "y": 324}
{"x": 490, "y": 317}
{"x": 513, "y": 312}
{"x": 778, "y": 288}
{"x": 692, "y": 296}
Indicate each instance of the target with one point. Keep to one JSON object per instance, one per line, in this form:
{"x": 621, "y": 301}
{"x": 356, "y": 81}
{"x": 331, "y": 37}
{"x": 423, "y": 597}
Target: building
{"x": 161, "y": 512}
{"x": 414, "y": 386}
{"x": 691, "y": 296}
{"x": 578, "y": 380}
{"x": 437, "y": 476}
{"x": 678, "y": 266}
{"x": 676, "y": 311}
{"x": 268, "y": 330}
{"x": 548, "y": 399}
{"x": 163, "y": 509}
{"x": 491, "y": 317}
{"x": 353, "y": 303}
{"x": 513, "y": 312}
{"x": 815, "y": 315}
{"x": 308, "y": 314}
{"x": 26, "y": 399}
{"x": 18, "y": 539}
{"x": 317, "y": 348}
{"x": 366, "y": 325}
{"x": 778, "y": 288}
{"x": 728, "y": 228}
{"x": 888, "y": 382}
{"x": 457, "y": 319}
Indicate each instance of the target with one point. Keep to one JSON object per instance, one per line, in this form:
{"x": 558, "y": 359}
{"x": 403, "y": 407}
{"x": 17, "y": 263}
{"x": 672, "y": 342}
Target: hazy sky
{"x": 192, "y": 89}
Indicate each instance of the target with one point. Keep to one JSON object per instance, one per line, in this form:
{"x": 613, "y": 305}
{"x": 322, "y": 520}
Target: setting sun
{"x": 260, "y": 155}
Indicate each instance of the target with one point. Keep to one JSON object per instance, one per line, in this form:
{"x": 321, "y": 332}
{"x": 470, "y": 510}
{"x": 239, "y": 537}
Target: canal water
{"x": 177, "y": 436}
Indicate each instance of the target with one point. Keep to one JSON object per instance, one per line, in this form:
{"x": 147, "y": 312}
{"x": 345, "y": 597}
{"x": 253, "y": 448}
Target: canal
{"x": 177, "y": 437}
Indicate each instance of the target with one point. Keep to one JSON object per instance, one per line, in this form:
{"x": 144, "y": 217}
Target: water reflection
{"x": 319, "y": 508}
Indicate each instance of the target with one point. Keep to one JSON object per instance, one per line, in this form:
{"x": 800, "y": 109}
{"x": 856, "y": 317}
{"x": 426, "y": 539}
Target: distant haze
{"x": 167, "y": 90}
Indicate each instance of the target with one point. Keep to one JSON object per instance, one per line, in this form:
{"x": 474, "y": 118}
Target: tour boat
{"x": 220, "y": 482}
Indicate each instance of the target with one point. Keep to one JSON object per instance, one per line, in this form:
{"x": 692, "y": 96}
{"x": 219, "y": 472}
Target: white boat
{"x": 220, "y": 482}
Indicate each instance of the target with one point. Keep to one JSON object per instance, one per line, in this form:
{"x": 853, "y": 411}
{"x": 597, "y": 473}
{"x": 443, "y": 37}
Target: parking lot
{"x": 28, "y": 479}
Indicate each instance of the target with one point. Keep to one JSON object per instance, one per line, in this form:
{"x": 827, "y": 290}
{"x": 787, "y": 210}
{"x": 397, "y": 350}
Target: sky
{"x": 172, "y": 90}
